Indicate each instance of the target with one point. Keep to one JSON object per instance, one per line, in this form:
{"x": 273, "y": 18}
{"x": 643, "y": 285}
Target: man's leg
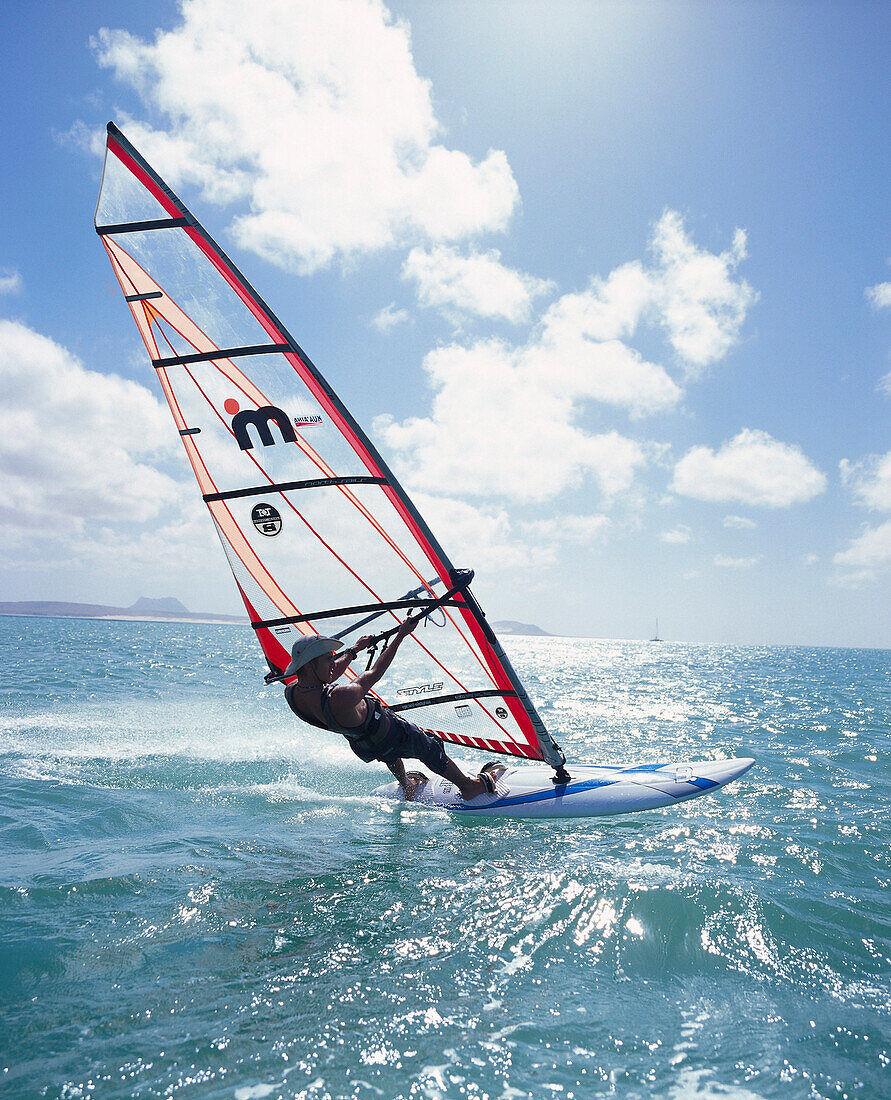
{"x": 418, "y": 745}
{"x": 468, "y": 787}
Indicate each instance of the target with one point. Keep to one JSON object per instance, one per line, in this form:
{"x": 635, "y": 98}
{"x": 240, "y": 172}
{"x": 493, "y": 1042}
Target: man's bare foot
{"x": 472, "y": 788}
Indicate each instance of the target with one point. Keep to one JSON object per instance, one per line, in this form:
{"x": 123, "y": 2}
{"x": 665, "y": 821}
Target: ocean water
{"x": 199, "y": 897}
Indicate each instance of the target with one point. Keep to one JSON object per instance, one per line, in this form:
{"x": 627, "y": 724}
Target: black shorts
{"x": 404, "y": 739}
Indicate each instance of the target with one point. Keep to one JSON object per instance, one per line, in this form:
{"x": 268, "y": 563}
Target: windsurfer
{"x": 373, "y": 731}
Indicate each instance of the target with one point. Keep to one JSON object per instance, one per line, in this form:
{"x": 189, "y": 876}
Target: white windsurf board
{"x": 527, "y": 791}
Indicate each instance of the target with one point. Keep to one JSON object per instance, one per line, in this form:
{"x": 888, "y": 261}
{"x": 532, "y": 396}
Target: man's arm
{"x": 370, "y": 678}
{"x": 351, "y": 694}
{"x": 345, "y": 658}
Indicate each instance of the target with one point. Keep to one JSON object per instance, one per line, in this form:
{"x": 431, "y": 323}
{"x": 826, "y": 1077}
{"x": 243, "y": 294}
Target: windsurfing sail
{"x": 319, "y": 534}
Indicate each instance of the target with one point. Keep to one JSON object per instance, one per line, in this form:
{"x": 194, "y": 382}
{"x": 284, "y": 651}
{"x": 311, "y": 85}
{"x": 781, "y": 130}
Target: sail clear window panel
{"x": 233, "y": 469}
{"x": 267, "y": 600}
{"x": 344, "y": 560}
{"x": 435, "y": 662}
{"x": 476, "y": 727}
{"x": 210, "y": 395}
{"x": 171, "y": 342}
{"x": 186, "y": 276}
{"x": 447, "y": 656}
{"x": 122, "y": 198}
{"x": 302, "y": 558}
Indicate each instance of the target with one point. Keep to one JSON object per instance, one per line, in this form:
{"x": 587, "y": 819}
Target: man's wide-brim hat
{"x": 305, "y": 650}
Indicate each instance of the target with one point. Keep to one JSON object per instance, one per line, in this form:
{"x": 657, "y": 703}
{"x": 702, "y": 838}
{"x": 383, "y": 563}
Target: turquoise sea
{"x": 201, "y": 898}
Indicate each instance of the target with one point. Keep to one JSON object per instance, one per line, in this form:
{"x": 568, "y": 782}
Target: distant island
{"x": 509, "y": 626}
{"x": 169, "y": 609}
{"x": 166, "y": 609}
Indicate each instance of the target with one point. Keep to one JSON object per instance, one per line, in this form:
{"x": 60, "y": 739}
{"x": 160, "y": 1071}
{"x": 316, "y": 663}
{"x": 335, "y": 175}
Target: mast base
{"x": 561, "y": 776}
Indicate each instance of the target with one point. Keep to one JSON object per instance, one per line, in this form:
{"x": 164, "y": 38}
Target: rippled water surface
{"x": 201, "y": 898}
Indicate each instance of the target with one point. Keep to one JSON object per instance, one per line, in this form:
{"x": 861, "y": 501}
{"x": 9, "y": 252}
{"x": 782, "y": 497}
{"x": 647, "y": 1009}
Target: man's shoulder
{"x": 341, "y": 689}
{"x": 345, "y": 694}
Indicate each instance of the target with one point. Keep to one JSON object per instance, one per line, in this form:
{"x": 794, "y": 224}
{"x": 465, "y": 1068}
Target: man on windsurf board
{"x": 372, "y": 730}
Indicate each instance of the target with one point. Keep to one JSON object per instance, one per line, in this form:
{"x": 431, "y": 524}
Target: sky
{"x": 607, "y": 284}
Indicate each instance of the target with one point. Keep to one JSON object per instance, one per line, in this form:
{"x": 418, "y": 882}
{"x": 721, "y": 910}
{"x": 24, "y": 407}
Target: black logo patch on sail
{"x": 259, "y": 419}
{"x": 501, "y": 712}
{"x": 266, "y": 519}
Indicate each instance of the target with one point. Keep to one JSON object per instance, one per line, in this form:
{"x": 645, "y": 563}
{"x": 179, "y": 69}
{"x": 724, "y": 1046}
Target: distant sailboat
{"x": 656, "y": 637}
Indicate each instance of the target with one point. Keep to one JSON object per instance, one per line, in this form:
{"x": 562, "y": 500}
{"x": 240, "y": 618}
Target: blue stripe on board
{"x": 593, "y": 784}
{"x": 557, "y": 792}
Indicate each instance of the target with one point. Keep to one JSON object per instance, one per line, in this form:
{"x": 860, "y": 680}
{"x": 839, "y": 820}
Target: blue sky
{"x": 607, "y": 283}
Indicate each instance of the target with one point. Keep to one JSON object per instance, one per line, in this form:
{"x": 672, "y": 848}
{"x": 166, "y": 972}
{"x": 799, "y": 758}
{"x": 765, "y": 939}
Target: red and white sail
{"x": 320, "y": 536}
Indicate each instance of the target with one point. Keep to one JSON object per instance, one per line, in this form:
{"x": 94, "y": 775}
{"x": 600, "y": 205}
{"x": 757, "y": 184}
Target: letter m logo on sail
{"x": 261, "y": 419}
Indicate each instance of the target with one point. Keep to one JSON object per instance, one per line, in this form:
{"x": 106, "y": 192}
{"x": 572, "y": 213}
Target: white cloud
{"x": 701, "y": 305}
{"x": 725, "y": 562}
{"x": 502, "y": 426}
{"x": 610, "y": 309}
{"x": 753, "y": 468}
{"x": 739, "y": 523}
{"x": 73, "y": 443}
{"x": 678, "y": 535}
{"x": 608, "y": 371}
{"x": 184, "y": 548}
{"x": 490, "y": 540}
{"x": 869, "y": 480}
{"x": 868, "y": 554}
{"x": 505, "y": 418}
{"x": 578, "y": 530}
{"x": 330, "y": 137}
{"x": 10, "y": 281}
{"x": 690, "y": 292}
{"x": 486, "y": 538}
{"x": 811, "y": 559}
{"x": 879, "y": 295}
{"x": 389, "y": 317}
{"x": 474, "y": 284}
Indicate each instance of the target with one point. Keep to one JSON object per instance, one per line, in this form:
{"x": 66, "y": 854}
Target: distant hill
{"x": 144, "y": 608}
{"x": 509, "y": 626}
{"x": 167, "y": 605}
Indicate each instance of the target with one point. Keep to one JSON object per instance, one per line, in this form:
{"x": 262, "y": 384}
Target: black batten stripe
{"x": 489, "y": 693}
{"x": 287, "y": 486}
{"x": 142, "y": 227}
{"x": 143, "y": 297}
{"x": 221, "y": 353}
{"x": 189, "y": 431}
{"x": 336, "y": 612}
